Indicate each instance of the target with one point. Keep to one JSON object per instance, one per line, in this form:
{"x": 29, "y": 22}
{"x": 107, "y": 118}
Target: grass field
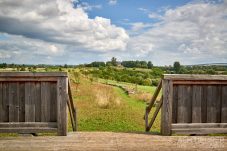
{"x": 142, "y": 88}
{"x": 125, "y": 115}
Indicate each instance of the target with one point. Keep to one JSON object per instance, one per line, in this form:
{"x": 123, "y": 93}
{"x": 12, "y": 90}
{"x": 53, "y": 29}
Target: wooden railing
{"x": 148, "y": 124}
{"x": 72, "y": 109}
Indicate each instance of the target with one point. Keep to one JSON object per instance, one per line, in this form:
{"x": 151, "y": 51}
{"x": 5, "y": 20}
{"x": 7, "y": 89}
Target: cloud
{"x": 112, "y": 2}
{"x": 139, "y": 26}
{"x": 192, "y": 33}
{"x": 59, "y": 32}
{"x": 21, "y": 49}
{"x": 153, "y": 15}
{"x": 57, "y": 21}
{"x": 88, "y": 7}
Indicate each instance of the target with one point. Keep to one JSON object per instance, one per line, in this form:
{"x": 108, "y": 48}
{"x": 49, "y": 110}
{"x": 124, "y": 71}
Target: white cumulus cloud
{"x": 57, "y": 21}
{"x": 192, "y": 33}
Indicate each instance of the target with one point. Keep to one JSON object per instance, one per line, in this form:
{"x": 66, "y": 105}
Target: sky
{"x": 83, "y": 31}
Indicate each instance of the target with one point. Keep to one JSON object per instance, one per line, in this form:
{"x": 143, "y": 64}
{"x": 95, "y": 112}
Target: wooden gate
{"x": 33, "y": 102}
{"x": 191, "y": 104}
{"x": 194, "y": 104}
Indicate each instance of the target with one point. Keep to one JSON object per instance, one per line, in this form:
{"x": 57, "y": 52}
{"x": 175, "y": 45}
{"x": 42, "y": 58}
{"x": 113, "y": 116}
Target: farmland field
{"x": 121, "y": 113}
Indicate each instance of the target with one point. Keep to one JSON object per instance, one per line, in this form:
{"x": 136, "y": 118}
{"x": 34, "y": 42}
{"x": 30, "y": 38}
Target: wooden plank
{"x": 5, "y": 101}
{"x": 166, "y": 119}
{"x": 197, "y": 103}
{"x": 204, "y": 104}
{"x": 53, "y": 102}
{"x": 71, "y": 115}
{"x": 28, "y": 130}
{"x": 154, "y": 97}
{"x": 62, "y": 93}
{"x": 194, "y": 77}
{"x": 213, "y": 104}
{"x": 37, "y": 101}
{"x": 219, "y": 103}
{"x": 29, "y": 102}
{"x": 199, "y": 82}
{"x": 28, "y": 124}
{"x": 73, "y": 108}
{"x": 224, "y": 105}
{"x": 21, "y": 102}
{"x": 184, "y": 114}
{"x": 13, "y": 102}
{"x": 45, "y": 101}
{"x": 33, "y": 74}
{"x": 199, "y": 125}
{"x": 200, "y": 131}
{"x": 28, "y": 79}
{"x": 155, "y": 114}
{"x": 175, "y": 104}
{"x": 1, "y": 104}
{"x": 146, "y": 120}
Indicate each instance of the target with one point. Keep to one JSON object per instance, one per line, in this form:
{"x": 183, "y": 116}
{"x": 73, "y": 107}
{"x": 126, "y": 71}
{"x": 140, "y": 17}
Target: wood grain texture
{"x": 72, "y": 107}
{"x": 32, "y": 74}
{"x": 224, "y": 105}
{"x": 32, "y": 97}
{"x": 194, "y": 77}
{"x": 5, "y": 103}
{"x": 204, "y": 104}
{"x": 184, "y": 114}
{"x": 28, "y": 124}
{"x": 196, "y": 104}
{"x": 45, "y": 101}
{"x": 1, "y": 104}
{"x": 166, "y": 116}
{"x": 200, "y": 131}
{"x": 37, "y": 101}
{"x": 53, "y": 102}
{"x": 21, "y": 101}
{"x": 199, "y": 125}
{"x": 29, "y": 102}
{"x": 213, "y": 104}
{"x": 62, "y": 92}
{"x": 13, "y": 102}
{"x": 175, "y": 104}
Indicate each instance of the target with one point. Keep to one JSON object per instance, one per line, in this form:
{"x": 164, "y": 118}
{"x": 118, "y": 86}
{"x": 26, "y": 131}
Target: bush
{"x": 155, "y": 82}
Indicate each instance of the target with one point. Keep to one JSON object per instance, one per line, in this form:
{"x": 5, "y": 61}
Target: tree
{"x": 149, "y": 65}
{"x": 176, "y": 66}
{"x": 65, "y": 66}
{"x": 114, "y": 61}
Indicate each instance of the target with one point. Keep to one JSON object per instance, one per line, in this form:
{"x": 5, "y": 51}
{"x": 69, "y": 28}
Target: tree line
{"x": 126, "y": 64}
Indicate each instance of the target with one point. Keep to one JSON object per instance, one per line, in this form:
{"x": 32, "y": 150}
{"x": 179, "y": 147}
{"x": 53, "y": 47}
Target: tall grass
{"x": 102, "y": 107}
{"x": 105, "y": 96}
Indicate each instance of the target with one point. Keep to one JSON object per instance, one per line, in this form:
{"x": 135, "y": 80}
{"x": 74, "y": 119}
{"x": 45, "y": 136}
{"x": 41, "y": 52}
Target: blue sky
{"x": 74, "y": 32}
{"x": 130, "y": 10}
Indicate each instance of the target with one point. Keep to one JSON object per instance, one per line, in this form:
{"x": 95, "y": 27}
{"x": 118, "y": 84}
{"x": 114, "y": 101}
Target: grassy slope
{"x": 149, "y": 89}
{"x": 126, "y": 117}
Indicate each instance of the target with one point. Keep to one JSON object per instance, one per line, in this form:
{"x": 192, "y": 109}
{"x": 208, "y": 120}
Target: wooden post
{"x": 62, "y": 91}
{"x": 166, "y": 119}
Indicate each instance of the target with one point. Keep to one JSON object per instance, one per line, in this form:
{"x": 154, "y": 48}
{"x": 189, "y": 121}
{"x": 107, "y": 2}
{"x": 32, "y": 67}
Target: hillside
{"x": 103, "y": 107}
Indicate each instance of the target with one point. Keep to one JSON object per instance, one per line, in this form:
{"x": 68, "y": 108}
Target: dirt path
{"x": 108, "y": 141}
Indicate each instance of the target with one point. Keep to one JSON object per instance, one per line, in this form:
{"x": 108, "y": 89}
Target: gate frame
{"x": 167, "y": 127}
{"x": 60, "y": 126}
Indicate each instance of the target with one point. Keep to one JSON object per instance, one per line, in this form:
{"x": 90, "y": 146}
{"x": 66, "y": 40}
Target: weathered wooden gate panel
{"x": 194, "y": 104}
{"x": 33, "y": 102}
